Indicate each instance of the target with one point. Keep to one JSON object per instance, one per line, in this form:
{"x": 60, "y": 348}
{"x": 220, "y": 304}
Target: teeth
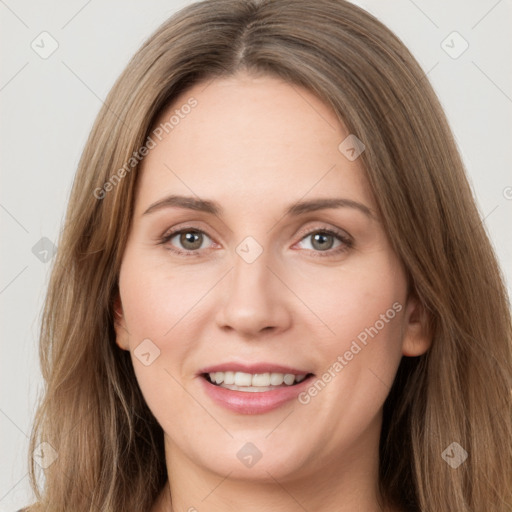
{"x": 276, "y": 379}
{"x": 243, "y": 379}
{"x": 256, "y": 380}
{"x": 260, "y": 379}
{"x": 289, "y": 379}
{"x": 229, "y": 377}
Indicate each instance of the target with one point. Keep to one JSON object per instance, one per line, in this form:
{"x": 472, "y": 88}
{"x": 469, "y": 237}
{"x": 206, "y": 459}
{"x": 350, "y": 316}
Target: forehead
{"x": 253, "y": 137}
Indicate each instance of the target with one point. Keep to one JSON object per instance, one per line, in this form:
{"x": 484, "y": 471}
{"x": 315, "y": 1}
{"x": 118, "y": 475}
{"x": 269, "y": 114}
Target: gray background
{"x": 48, "y": 106}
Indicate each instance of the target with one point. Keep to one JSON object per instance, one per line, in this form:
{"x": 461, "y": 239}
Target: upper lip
{"x": 252, "y": 368}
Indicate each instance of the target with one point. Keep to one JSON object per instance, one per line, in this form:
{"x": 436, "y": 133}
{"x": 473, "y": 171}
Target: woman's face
{"x": 256, "y": 255}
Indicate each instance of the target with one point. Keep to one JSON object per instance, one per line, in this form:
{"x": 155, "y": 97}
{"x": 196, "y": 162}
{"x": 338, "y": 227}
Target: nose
{"x": 254, "y": 300}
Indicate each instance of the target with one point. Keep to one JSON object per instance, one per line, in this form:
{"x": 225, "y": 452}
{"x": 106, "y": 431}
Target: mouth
{"x": 254, "y": 382}
{"x": 253, "y": 388}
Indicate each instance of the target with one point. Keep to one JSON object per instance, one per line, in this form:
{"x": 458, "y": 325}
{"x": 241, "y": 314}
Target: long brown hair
{"x": 109, "y": 447}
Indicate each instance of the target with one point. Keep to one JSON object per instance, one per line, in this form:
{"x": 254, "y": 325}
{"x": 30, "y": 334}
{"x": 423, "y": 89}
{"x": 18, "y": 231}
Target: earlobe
{"x": 120, "y": 325}
{"x": 417, "y": 337}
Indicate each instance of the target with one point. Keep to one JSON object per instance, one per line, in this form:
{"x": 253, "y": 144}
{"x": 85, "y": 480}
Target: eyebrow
{"x": 298, "y": 208}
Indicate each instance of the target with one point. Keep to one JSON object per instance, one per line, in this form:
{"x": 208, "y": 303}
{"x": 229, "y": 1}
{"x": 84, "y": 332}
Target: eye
{"x": 327, "y": 241}
{"x": 185, "y": 241}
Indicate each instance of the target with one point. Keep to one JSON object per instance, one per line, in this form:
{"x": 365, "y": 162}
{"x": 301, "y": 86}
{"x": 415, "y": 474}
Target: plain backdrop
{"x": 48, "y": 104}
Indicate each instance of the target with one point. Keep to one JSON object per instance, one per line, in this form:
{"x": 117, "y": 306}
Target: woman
{"x": 273, "y": 289}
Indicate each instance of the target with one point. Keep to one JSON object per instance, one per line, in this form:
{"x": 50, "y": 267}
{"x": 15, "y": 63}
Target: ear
{"x": 416, "y": 339}
{"x": 122, "y": 334}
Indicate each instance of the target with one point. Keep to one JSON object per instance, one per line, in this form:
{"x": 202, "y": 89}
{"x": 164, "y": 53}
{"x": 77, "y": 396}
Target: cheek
{"x": 357, "y": 372}
{"x": 355, "y": 299}
{"x": 157, "y": 299}
{"x": 364, "y": 310}
{"x": 163, "y": 315}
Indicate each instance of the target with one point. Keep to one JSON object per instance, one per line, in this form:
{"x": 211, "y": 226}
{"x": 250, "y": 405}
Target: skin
{"x": 257, "y": 145}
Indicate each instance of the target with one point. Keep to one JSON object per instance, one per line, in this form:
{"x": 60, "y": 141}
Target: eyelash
{"x": 347, "y": 242}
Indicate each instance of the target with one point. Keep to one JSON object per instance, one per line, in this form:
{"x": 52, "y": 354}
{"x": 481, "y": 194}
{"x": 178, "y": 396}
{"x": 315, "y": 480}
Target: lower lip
{"x": 253, "y": 403}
